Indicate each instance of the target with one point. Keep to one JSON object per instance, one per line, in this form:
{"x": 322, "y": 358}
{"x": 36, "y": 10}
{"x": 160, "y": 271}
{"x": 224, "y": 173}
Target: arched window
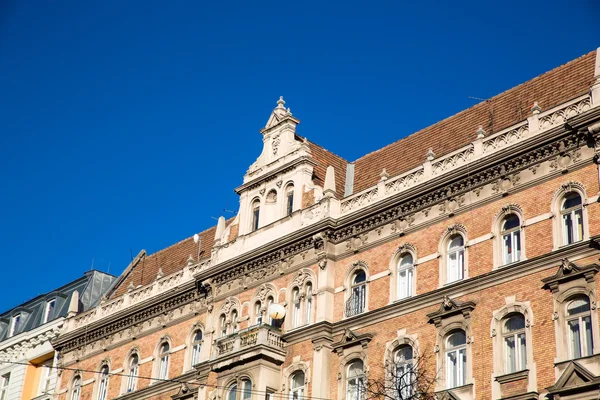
{"x": 223, "y": 325}
{"x": 234, "y": 394}
{"x": 308, "y": 311}
{"x": 511, "y": 239}
{"x": 132, "y": 373}
{"x": 456, "y": 359}
{"x": 405, "y": 276}
{"x": 258, "y": 318}
{"x": 163, "y": 361}
{"x": 103, "y": 383}
{"x": 580, "y": 327}
{"x": 297, "y": 386}
{"x": 296, "y": 309}
{"x": 355, "y": 381}
{"x": 196, "y": 347}
{"x": 358, "y": 294}
{"x": 76, "y": 388}
{"x": 515, "y": 347}
{"x": 255, "y": 215}
{"x": 403, "y": 378}
{"x": 456, "y": 258}
{"x": 289, "y": 199}
{"x": 571, "y": 212}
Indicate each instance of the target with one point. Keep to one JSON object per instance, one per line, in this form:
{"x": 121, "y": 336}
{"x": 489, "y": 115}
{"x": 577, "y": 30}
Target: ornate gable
{"x": 449, "y": 308}
{"x": 350, "y": 339}
{"x": 574, "y": 379}
{"x": 568, "y": 271}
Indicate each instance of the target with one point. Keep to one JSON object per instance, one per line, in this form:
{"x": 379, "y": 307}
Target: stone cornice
{"x": 159, "y": 387}
{"x": 17, "y": 347}
{"x": 128, "y": 318}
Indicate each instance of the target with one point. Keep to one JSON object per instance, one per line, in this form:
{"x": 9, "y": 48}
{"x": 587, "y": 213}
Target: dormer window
{"x": 49, "y": 310}
{"x": 255, "y": 215}
{"x": 15, "y": 325}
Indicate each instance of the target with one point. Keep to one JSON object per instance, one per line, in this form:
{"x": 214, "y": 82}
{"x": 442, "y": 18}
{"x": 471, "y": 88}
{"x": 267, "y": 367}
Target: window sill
{"x": 513, "y": 376}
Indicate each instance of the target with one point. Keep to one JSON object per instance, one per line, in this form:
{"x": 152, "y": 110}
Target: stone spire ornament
{"x": 329, "y": 189}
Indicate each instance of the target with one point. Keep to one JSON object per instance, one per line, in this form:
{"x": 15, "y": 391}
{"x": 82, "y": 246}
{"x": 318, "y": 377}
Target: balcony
{"x": 355, "y": 304}
{"x": 256, "y": 342}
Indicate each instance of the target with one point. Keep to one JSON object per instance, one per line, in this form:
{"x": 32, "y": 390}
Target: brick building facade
{"x": 472, "y": 245}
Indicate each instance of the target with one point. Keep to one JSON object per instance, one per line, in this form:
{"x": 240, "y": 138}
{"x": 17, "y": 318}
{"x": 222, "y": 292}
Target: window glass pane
{"x": 406, "y": 260}
{"x": 457, "y": 338}
{"x": 511, "y": 354}
{"x": 578, "y": 306}
{"x": 452, "y": 367}
{"x": 456, "y": 241}
{"x": 247, "y": 389}
{"x": 510, "y": 222}
{"x": 575, "y": 338}
{"x": 517, "y": 245}
{"x": 298, "y": 380}
{"x": 523, "y": 351}
{"x": 462, "y": 377}
{"x": 514, "y": 323}
{"x": 360, "y": 276}
{"x": 571, "y": 200}
{"x": 578, "y": 228}
{"x": 405, "y": 353}
{"x": 232, "y": 392}
{"x": 587, "y": 323}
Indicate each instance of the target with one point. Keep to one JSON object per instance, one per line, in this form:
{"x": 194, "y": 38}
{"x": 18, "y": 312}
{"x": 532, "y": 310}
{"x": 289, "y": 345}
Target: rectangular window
{"x": 456, "y": 362}
{"x": 45, "y": 378}
{"x": 4, "y": 381}
{"x": 49, "y": 311}
{"x": 15, "y": 325}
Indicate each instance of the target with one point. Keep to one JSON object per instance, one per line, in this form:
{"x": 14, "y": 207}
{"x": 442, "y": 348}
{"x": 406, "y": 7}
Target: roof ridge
{"x": 478, "y": 104}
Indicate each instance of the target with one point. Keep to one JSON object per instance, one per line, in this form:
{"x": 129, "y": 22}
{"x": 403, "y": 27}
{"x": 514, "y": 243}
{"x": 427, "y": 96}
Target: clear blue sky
{"x": 127, "y": 124}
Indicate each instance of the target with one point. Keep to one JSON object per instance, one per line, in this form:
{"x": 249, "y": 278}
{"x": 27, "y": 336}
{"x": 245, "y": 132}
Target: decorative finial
{"x": 190, "y": 261}
{"x": 280, "y": 102}
{"x": 384, "y": 175}
{"x": 160, "y": 273}
{"x": 430, "y": 154}
{"x": 289, "y": 111}
{"x": 480, "y": 132}
{"x": 536, "y": 109}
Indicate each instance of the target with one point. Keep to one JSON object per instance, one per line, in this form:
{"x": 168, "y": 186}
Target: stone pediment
{"x": 185, "y": 392}
{"x": 350, "y": 339}
{"x": 450, "y": 307}
{"x": 568, "y": 271}
{"x": 574, "y": 379}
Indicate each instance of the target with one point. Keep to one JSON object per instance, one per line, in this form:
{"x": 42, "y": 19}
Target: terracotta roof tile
{"x": 325, "y": 158}
{"x": 550, "y": 89}
{"x": 171, "y": 260}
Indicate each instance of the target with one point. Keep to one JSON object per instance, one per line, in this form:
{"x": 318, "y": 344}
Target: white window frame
{"x": 244, "y": 394}
{"x": 45, "y": 378}
{"x": 404, "y": 286}
{"x": 579, "y": 318}
{"x": 402, "y": 367}
{"x": 163, "y": 361}
{"x": 359, "y": 381}
{"x": 459, "y": 377}
{"x": 520, "y": 349}
{"x": 297, "y": 307}
{"x": 576, "y": 220}
{"x": 196, "y": 347}
{"x": 297, "y": 393}
{"x": 15, "y": 322}
{"x": 358, "y": 291}
{"x": 48, "y": 311}
{"x": 459, "y": 263}
{"x": 76, "y": 388}
{"x": 289, "y": 200}
{"x": 255, "y": 216}
{"x": 132, "y": 372}
{"x": 4, "y": 384}
{"x": 514, "y": 237}
{"x": 103, "y": 383}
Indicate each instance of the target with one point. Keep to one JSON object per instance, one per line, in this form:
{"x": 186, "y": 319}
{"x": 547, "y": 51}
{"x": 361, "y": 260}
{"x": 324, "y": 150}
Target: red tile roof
{"x": 550, "y": 89}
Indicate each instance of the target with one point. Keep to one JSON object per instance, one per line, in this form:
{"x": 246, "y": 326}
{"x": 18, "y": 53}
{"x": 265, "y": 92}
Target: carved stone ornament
{"x": 322, "y": 263}
{"x": 279, "y": 183}
{"x": 262, "y": 191}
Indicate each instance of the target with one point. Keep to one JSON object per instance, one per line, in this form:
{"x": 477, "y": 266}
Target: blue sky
{"x": 127, "y": 124}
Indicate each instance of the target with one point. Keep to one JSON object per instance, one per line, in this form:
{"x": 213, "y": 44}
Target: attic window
{"x": 49, "y": 310}
{"x": 255, "y": 215}
{"x": 15, "y": 325}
